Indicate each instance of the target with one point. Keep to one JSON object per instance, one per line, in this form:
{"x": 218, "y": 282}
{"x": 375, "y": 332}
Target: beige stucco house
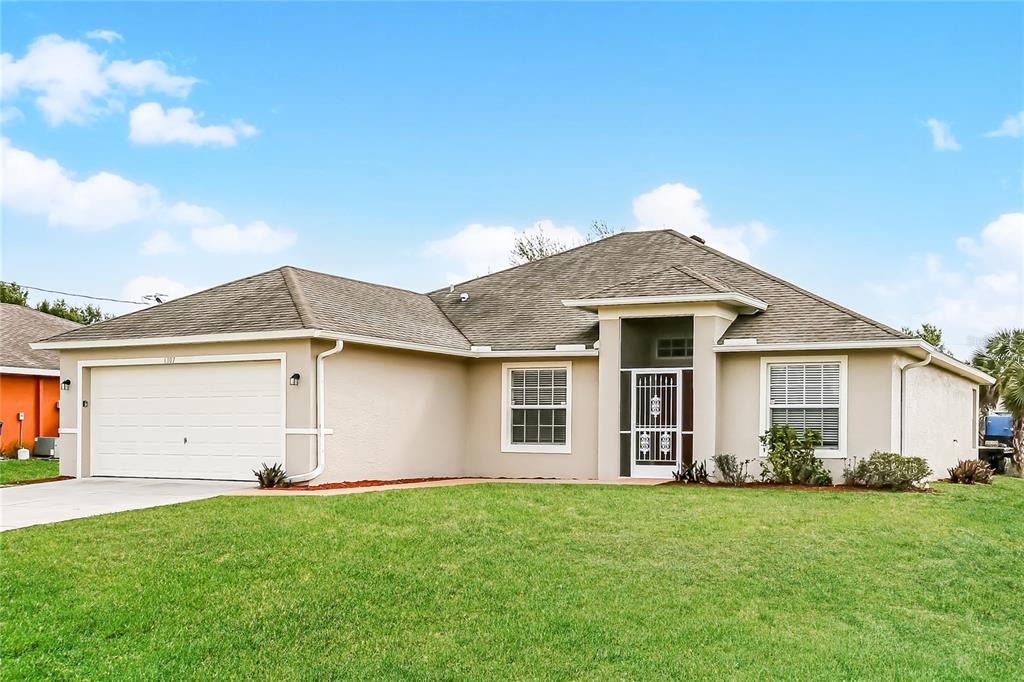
{"x": 624, "y": 357}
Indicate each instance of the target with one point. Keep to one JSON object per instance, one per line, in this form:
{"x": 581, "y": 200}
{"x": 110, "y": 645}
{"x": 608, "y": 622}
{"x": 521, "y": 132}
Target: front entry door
{"x": 656, "y": 427}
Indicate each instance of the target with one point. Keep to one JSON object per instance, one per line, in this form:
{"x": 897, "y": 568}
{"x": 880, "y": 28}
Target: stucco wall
{"x": 483, "y": 426}
{"x": 940, "y": 421}
{"x": 870, "y": 408}
{"x": 34, "y": 395}
{"x": 299, "y": 400}
{"x": 395, "y": 414}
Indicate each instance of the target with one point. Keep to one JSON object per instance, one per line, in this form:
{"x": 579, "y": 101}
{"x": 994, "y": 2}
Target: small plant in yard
{"x": 691, "y": 473}
{"x": 790, "y": 457}
{"x": 272, "y": 476}
{"x": 731, "y": 470}
{"x": 970, "y": 471}
{"x": 888, "y": 470}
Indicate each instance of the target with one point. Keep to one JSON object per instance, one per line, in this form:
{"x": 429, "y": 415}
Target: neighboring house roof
{"x": 288, "y": 299}
{"x": 520, "y": 308}
{"x": 20, "y": 326}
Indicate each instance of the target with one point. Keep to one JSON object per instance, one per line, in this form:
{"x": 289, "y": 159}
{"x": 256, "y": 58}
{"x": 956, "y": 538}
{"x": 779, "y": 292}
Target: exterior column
{"x": 707, "y": 330}
{"x": 608, "y": 368}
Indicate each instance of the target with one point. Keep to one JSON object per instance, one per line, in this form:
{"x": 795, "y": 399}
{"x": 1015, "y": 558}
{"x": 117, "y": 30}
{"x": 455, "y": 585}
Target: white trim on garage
{"x": 171, "y": 360}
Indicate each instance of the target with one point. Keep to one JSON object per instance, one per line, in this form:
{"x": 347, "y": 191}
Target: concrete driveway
{"x": 38, "y": 503}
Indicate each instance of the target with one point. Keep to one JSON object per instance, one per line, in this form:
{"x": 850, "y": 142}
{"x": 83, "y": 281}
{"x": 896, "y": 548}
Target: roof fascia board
{"x": 731, "y": 297}
{"x": 31, "y": 371}
{"x": 938, "y": 356}
{"x": 303, "y": 334}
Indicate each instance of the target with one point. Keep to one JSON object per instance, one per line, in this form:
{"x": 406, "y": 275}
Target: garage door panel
{"x": 196, "y": 420}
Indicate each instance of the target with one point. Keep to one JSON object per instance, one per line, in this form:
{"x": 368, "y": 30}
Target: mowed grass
{"x": 20, "y": 470}
{"x": 501, "y": 581}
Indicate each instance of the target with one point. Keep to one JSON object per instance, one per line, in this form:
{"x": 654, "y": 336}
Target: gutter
{"x": 903, "y": 392}
{"x": 321, "y": 459}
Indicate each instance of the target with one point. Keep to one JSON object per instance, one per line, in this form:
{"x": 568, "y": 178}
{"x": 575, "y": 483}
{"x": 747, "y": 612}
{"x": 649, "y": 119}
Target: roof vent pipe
{"x": 697, "y": 238}
{"x": 463, "y": 297}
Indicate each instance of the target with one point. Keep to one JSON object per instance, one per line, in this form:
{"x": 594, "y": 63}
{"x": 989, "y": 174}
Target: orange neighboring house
{"x": 29, "y": 379}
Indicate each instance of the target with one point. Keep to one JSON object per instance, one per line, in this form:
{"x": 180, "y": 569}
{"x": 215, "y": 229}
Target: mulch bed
{"x": 842, "y": 487}
{"x": 363, "y": 484}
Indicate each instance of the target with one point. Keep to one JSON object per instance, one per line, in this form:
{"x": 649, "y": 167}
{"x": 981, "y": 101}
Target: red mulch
{"x": 842, "y": 487}
{"x": 42, "y": 480}
{"x": 363, "y": 484}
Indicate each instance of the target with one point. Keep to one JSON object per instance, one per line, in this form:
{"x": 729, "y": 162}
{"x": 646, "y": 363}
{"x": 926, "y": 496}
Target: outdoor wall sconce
{"x": 65, "y": 385}
{"x": 294, "y": 379}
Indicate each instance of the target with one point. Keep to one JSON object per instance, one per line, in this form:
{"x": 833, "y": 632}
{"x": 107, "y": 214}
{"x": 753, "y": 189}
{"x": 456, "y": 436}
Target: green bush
{"x": 790, "y": 458}
{"x": 888, "y": 470}
{"x": 731, "y": 470}
{"x": 692, "y": 473}
{"x": 970, "y": 471}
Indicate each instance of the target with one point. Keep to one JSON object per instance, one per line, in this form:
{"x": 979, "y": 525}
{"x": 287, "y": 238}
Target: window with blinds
{"x": 806, "y": 396}
{"x": 539, "y": 402}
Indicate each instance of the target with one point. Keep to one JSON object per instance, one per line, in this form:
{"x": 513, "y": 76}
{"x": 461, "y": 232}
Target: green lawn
{"x": 16, "y": 471}
{"x": 503, "y": 581}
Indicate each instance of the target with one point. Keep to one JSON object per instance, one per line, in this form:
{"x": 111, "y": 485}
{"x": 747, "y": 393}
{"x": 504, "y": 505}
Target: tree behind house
{"x": 1002, "y": 357}
{"x": 530, "y": 247}
{"x": 11, "y": 292}
{"x": 928, "y": 333}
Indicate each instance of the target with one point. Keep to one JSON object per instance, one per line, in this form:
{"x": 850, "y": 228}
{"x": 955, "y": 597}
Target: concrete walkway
{"x": 444, "y": 483}
{"x": 38, "y": 503}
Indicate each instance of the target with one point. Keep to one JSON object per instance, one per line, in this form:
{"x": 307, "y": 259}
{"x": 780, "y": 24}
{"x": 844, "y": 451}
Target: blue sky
{"x": 407, "y": 144}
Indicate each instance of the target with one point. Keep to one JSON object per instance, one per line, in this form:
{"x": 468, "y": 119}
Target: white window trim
{"x": 821, "y": 453}
{"x": 506, "y": 410}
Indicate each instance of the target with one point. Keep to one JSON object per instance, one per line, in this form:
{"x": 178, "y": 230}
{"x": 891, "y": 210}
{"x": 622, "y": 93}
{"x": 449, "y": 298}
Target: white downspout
{"x": 903, "y": 399}
{"x": 321, "y": 459}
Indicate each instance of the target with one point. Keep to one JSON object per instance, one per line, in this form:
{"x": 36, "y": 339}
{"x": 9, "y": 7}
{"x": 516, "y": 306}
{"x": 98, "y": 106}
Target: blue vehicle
{"x": 997, "y": 438}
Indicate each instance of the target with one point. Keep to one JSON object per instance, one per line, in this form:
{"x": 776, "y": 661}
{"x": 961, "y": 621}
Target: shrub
{"x": 731, "y": 470}
{"x": 790, "y": 458}
{"x": 272, "y": 476}
{"x": 692, "y": 473}
{"x": 888, "y": 470}
{"x": 970, "y": 471}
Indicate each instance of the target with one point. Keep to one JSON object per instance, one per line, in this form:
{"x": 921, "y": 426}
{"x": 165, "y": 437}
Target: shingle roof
{"x": 520, "y": 308}
{"x": 516, "y": 309}
{"x": 673, "y": 281}
{"x": 20, "y": 326}
{"x": 288, "y": 299}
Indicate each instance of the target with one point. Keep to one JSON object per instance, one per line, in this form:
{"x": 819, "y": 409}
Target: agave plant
{"x": 970, "y": 471}
{"x": 271, "y": 476}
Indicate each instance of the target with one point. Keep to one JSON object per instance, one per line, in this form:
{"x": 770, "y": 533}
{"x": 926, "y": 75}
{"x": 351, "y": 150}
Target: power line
{"x": 68, "y": 293}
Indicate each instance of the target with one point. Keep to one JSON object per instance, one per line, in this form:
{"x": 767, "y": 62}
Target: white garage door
{"x": 197, "y": 420}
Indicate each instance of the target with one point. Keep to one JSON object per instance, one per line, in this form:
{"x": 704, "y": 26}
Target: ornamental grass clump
{"x": 790, "y": 459}
{"x": 888, "y": 471}
{"x": 730, "y": 470}
{"x": 272, "y": 476}
{"x": 970, "y": 471}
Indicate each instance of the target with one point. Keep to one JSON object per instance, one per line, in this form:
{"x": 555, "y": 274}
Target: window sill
{"x": 535, "y": 449}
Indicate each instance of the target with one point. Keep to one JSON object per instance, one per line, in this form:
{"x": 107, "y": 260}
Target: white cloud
{"x": 145, "y": 285}
{"x": 679, "y": 207}
{"x": 105, "y": 35}
{"x": 478, "y": 249}
{"x": 10, "y": 114}
{"x": 74, "y": 83}
{"x": 43, "y": 187}
{"x": 1012, "y": 126}
{"x": 982, "y": 293}
{"x": 190, "y": 214}
{"x": 151, "y": 124}
{"x": 161, "y": 242}
{"x": 942, "y": 136}
{"x": 257, "y": 237}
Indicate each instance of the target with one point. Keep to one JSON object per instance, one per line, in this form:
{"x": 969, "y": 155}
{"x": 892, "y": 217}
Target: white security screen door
{"x": 213, "y": 420}
{"x": 657, "y": 417}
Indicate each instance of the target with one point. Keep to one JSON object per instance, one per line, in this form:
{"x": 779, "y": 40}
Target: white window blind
{"x": 538, "y": 401}
{"x": 806, "y": 396}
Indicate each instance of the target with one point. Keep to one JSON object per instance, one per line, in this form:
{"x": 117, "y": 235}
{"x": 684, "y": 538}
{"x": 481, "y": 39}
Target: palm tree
{"x": 1003, "y": 357}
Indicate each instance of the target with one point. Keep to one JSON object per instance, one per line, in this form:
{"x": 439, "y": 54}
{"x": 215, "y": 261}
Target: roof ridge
{"x": 357, "y": 281}
{"x": 832, "y": 304}
{"x": 532, "y": 262}
{"x": 291, "y": 281}
{"x": 717, "y": 284}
